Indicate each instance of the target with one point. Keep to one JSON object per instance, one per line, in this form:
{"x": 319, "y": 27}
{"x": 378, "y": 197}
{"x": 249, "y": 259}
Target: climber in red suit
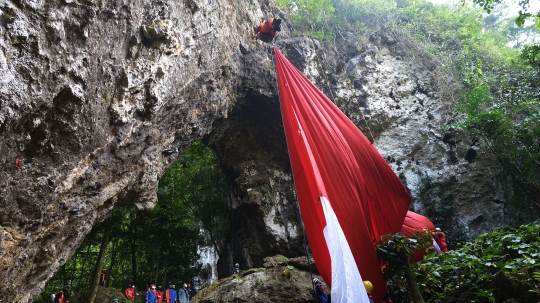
{"x": 267, "y": 30}
{"x": 441, "y": 239}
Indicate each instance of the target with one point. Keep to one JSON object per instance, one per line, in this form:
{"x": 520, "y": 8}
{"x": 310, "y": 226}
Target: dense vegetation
{"x": 495, "y": 267}
{"x": 162, "y": 245}
{"x": 495, "y": 87}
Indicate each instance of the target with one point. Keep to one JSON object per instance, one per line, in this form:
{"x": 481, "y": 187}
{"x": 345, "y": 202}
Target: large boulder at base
{"x": 261, "y": 285}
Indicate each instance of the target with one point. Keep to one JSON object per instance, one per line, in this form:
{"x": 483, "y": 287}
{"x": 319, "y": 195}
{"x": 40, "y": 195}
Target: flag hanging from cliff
{"x": 348, "y": 194}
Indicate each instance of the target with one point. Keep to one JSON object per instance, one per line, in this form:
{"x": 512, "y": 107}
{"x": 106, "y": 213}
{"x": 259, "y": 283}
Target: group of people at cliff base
{"x": 156, "y": 294}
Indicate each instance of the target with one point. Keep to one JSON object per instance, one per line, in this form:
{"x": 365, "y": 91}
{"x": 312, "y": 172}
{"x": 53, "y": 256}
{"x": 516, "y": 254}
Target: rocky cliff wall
{"x": 98, "y": 98}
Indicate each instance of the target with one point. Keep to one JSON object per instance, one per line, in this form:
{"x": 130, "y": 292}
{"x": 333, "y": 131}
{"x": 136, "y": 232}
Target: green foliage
{"x": 470, "y": 270}
{"x": 197, "y": 182}
{"x": 510, "y": 129}
{"x": 501, "y": 265}
{"x": 310, "y": 17}
{"x": 394, "y": 250}
{"x": 161, "y": 245}
{"x": 489, "y": 5}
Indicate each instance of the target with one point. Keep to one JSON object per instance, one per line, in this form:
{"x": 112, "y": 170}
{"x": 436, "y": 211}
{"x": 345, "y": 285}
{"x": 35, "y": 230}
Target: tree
{"x": 99, "y": 264}
{"x": 394, "y": 250}
{"x": 524, "y": 13}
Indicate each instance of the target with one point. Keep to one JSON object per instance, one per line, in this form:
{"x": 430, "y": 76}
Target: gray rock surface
{"x": 280, "y": 280}
{"x": 99, "y": 98}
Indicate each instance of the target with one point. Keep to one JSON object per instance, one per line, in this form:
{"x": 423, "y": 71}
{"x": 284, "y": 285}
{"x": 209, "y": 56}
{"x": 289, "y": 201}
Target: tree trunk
{"x": 413, "y": 286}
{"x": 114, "y": 253}
{"x": 64, "y": 275}
{"x": 85, "y": 257}
{"x": 133, "y": 246}
{"x": 99, "y": 263}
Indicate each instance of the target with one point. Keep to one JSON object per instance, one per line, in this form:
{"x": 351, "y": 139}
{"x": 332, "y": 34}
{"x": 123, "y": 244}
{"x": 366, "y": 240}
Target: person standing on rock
{"x": 322, "y": 297}
{"x": 236, "y": 269}
{"x": 183, "y": 294}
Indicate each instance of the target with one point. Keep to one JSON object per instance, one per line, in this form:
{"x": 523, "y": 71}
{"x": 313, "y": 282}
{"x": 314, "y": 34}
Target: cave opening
{"x": 176, "y": 242}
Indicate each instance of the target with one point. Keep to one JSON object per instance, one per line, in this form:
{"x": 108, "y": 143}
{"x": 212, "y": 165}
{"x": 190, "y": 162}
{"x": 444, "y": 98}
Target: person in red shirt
{"x": 159, "y": 294}
{"x": 267, "y": 30}
{"x": 102, "y": 277}
{"x": 130, "y": 292}
{"x": 62, "y": 296}
{"x": 440, "y": 238}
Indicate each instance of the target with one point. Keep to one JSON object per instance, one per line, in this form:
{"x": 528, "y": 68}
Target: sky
{"x": 534, "y": 5}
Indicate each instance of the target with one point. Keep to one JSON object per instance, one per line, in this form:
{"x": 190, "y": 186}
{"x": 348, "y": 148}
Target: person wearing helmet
{"x": 170, "y": 294}
{"x": 130, "y": 292}
{"x": 369, "y": 287}
{"x": 267, "y": 30}
{"x": 236, "y": 269}
{"x": 115, "y": 300}
{"x": 319, "y": 291}
{"x": 440, "y": 238}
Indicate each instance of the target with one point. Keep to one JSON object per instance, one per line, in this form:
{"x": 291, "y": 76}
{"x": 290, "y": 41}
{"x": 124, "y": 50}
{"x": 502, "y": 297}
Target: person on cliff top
{"x": 170, "y": 294}
{"x": 322, "y": 297}
{"x": 267, "y": 30}
{"x": 130, "y": 292}
{"x": 440, "y": 238}
{"x": 62, "y": 296}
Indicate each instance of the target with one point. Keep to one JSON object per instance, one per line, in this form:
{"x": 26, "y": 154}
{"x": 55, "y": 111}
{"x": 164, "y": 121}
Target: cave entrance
{"x": 160, "y": 246}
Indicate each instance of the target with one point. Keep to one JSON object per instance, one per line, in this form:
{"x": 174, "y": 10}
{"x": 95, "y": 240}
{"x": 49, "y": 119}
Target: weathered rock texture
{"x": 274, "y": 282}
{"x": 98, "y": 98}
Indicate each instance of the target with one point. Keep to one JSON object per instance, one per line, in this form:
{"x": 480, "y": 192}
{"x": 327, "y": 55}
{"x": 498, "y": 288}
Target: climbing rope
{"x": 348, "y": 81}
{"x": 322, "y": 71}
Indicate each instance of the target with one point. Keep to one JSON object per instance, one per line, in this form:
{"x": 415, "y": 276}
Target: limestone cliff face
{"x": 99, "y": 98}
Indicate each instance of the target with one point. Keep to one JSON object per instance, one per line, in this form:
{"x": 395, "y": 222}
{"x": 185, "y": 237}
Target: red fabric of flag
{"x": 331, "y": 158}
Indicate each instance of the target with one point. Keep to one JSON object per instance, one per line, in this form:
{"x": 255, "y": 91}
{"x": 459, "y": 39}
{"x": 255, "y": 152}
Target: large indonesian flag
{"x": 348, "y": 194}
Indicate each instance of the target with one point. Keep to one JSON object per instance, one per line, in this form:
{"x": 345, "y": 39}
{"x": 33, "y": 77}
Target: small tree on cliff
{"x": 394, "y": 250}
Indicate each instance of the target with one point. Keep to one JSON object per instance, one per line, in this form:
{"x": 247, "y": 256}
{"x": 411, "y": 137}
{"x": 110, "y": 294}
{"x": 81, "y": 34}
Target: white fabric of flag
{"x": 347, "y": 285}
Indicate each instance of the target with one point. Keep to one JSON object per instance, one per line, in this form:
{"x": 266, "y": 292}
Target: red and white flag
{"x": 348, "y": 195}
